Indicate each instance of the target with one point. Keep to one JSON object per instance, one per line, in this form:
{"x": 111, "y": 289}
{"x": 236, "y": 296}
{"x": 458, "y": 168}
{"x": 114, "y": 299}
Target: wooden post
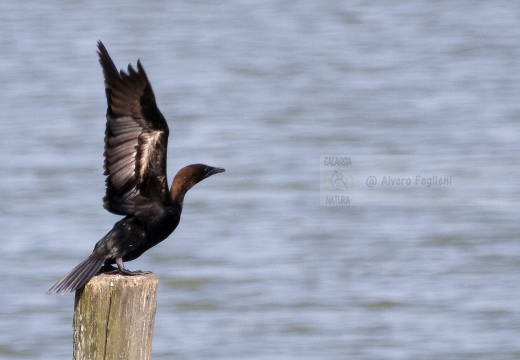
{"x": 114, "y": 317}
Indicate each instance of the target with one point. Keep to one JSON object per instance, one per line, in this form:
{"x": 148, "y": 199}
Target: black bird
{"x": 136, "y": 140}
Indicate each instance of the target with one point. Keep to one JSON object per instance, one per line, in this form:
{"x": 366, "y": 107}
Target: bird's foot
{"x": 121, "y": 269}
{"x": 113, "y": 270}
{"x": 135, "y": 272}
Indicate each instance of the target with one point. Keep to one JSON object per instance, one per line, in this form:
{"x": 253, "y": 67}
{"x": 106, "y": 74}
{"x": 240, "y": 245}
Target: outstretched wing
{"x": 136, "y": 139}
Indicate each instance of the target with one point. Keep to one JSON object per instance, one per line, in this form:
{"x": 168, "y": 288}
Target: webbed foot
{"x": 121, "y": 269}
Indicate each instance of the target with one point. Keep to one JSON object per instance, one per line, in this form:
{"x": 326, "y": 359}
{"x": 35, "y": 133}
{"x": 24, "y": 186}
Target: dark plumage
{"x": 136, "y": 140}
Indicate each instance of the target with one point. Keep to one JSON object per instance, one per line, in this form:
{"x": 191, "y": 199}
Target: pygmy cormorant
{"x": 136, "y": 140}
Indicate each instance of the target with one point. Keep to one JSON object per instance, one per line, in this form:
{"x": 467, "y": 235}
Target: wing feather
{"x": 136, "y": 139}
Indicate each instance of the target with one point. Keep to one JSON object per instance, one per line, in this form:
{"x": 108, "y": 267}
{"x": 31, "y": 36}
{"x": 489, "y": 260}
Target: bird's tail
{"x": 79, "y": 276}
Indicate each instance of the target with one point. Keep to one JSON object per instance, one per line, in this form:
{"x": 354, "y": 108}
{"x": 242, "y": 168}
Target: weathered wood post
{"x": 114, "y": 317}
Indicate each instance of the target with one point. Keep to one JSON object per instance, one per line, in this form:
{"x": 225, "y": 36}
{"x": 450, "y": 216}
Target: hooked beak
{"x": 212, "y": 171}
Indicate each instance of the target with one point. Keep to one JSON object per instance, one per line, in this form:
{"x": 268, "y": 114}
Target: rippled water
{"x": 258, "y": 269}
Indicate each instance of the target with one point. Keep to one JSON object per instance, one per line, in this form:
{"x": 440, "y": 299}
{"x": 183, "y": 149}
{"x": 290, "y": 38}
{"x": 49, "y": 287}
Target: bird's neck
{"x": 178, "y": 190}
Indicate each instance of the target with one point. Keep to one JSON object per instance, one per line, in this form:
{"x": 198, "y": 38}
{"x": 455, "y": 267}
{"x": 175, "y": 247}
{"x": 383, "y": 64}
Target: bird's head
{"x": 188, "y": 176}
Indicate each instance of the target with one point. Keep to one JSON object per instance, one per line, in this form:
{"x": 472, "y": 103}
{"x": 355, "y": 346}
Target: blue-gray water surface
{"x": 269, "y": 262}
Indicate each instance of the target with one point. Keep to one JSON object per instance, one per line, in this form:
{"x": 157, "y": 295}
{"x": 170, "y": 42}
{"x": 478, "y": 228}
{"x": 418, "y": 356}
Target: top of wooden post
{"x": 114, "y": 317}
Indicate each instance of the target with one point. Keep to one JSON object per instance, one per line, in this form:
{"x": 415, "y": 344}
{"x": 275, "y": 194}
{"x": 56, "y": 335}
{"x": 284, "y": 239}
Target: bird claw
{"x": 127, "y": 272}
{"x": 122, "y": 271}
{"x": 135, "y": 272}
